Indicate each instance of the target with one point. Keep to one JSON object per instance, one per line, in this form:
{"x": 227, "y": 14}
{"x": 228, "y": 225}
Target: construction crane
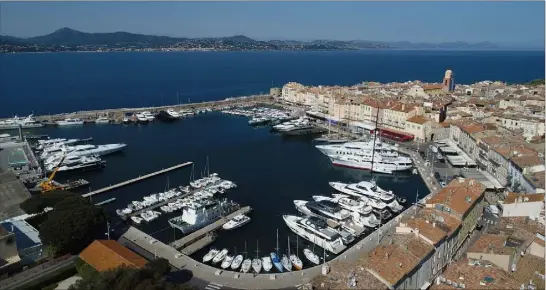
{"x": 49, "y": 184}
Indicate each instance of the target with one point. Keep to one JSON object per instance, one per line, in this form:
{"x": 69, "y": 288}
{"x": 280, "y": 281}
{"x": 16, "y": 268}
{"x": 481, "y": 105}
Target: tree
{"x": 160, "y": 266}
{"x": 72, "y": 225}
{"x": 122, "y": 278}
{"x": 37, "y": 203}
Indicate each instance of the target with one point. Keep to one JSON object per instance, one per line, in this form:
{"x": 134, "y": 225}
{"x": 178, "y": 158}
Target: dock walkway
{"x": 199, "y": 244}
{"x": 140, "y": 178}
{"x": 199, "y": 233}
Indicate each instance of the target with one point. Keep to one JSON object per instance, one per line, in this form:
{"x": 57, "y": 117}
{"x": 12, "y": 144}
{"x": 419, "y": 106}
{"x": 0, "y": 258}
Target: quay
{"x": 117, "y": 114}
{"x": 185, "y": 241}
{"x": 140, "y": 178}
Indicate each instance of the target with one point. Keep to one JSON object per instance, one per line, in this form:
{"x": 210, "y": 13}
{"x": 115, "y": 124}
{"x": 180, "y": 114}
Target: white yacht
{"x": 266, "y": 263}
{"x": 55, "y": 147}
{"x": 141, "y": 118}
{"x": 366, "y": 188}
{"x": 74, "y": 163}
{"x": 84, "y": 150}
{"x": 173, "y": 113}
{"x": 323, "y": 208}
{"x": 227, "y": 262}
{"x": 312, "y": 257}
{"x": 136, "y": 219}
{"x": 199, "y": 214}
{"x": 380, "y": 163}
{"x": 245, "y": 267}
{"x": 237, "y": 262}
{"x": 16, "y": 122}
{"x": 102, "y": 120}
{"x": 356, "y": 148}
{"x": 70, "y": 122}
{"x": 220, "y": 256}
{"x": 210, "y": 255}
{"x": 316, "y": 230}
{"x": 236, "y": 222}
{"x": 149, "y": 116}
{"x": 358, "y": 206}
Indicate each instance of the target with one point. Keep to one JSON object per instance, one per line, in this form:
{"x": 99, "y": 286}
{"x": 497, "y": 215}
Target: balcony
{"x": 482, "y": 155}
{"x": 483, "y": 146}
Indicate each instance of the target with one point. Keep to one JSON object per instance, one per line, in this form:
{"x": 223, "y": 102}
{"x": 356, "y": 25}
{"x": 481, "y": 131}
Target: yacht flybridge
{"x": 380, "y": 163}
{"x": 365, "y": 188}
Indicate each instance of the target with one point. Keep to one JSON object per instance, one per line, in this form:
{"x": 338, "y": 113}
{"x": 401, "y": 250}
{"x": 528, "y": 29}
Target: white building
{"x": 522, "y": 205}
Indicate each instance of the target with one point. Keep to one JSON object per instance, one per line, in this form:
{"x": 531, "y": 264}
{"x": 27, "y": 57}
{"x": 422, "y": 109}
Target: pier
{"x": 140, "y": 178}
{"x": 106, "y": 201}
{"x": 185, "y": 241}
{"x": 199, "y": 244}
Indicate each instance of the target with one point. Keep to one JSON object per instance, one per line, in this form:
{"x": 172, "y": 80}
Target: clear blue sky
{"x": 499, "y": 22}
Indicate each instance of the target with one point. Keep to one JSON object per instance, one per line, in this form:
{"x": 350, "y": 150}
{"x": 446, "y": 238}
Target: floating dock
{"x": 189, "y": 239}
{"x": 140, "y": 178}
{"x": 106, "y": 201}
{"x": 199, "y": 244}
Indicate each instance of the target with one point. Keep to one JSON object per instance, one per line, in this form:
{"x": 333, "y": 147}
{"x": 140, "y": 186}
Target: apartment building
{"x": 522, "y": 205}
{"x": 530, "y": 125}
{"x": 420, "y": 127}
{"x": 463, "y": 199}
{"x": 495, "y": 248}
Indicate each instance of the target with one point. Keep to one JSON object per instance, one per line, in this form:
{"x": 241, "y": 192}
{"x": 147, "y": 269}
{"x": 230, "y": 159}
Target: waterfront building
{"x": 420, "y": 127}
{"x": 25, "y": 238}
{"x": 463, "y": 199}
{"x": 104, "y": 255}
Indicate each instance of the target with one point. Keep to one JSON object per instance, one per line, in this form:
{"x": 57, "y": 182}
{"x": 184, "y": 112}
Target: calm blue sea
{"x": 66, "y": 82}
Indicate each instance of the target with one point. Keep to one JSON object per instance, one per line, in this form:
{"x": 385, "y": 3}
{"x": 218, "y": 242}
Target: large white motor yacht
{"x": 356, "y": 148}
{"x": 70, "y": 122}
{"x": 316, "y": 231}
{"x": 380, "y": 163}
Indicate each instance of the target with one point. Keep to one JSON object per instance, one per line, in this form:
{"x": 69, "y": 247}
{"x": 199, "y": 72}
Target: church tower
{"x": 449, "y": 82}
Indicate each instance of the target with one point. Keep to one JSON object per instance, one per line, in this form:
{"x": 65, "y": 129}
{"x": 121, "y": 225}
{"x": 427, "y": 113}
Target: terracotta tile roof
{"x": 427, "y": 229}
{"x": 459, "y": 195}
{"x": 337, "y": 278}
{"x": 525, "y": 161}
{"x": 391, "y": 263}
{"x": 493, "y": 277}
{"x": 534, "y": 197}
{"x": 527, "y": 269}
{"x": 432, "y": 87}
{"x": 108, "y": 254}
{"x": 493, "y": 244}
{"x": 418, "y": 120}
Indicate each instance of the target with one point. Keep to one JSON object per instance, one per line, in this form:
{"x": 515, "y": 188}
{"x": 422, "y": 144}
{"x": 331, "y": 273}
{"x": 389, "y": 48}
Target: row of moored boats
{"x": 70, "y": 154}
{"x": 333, "y": 222}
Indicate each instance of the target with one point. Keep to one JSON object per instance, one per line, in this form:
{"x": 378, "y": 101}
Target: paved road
{"x": 37, "y": 272}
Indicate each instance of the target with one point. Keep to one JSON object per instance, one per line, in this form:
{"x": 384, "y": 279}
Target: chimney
{"x": 400, "y": 265}
{"x": 386, "y": 255}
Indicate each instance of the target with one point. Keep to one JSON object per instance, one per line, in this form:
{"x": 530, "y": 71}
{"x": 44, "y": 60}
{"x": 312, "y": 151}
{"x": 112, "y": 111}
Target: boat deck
{"x": 199, "y": 233}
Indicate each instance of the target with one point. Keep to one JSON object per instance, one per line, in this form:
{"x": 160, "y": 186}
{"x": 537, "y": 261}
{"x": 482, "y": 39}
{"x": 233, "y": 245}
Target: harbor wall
{"x": 117, "y": 114}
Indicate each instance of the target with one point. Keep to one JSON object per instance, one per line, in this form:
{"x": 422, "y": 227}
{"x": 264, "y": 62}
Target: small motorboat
{"x": 296, "y": 262}
{"x": 246, "y": 265}
{"x": 276, "y": 262}
{"x": 257, "y": 265}
{"x": 266, "y": 263}
{"x": 220, "y": 256}
{"x": 236, "y": 222}
{"x": 236, "y": 262}
{"x": 227, "y": 262}
{"x": 286, "y": 263}
{"x": 136, "y": 219}
{"x": 210, "y": 255}
{"x": 312, "y": 257}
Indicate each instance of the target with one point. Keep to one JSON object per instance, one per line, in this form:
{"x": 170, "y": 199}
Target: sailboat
{"x": 266, "y": 263}
{"x": 257, "y": 263}
{"x": 246, "y": 263}
{"x": 310, "y": 254}
{"x": 294, "y": 259}
{"x": 236, "y": 262}
{"x": 285, "y": 261}
{"x": 325, "y": 267}
{"x": 275, "y": 257}
{"x": 227, "y": 261}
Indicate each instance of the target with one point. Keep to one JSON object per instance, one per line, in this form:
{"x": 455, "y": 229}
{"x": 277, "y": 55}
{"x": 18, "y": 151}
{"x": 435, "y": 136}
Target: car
{"x": 442, "y": 183}
{"x": 178, "y": 256}
{"x": 153, "y": 241}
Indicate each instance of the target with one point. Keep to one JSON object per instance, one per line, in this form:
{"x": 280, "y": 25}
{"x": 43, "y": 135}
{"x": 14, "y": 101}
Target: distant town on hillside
{"x": 66, "y": 39}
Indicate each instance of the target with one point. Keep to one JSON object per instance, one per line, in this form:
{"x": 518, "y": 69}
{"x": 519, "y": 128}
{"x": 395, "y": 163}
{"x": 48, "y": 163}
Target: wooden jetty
{"x": 185, "y": 241}
{"x": 199, "y": 244}
{"x": 140, "y": 178}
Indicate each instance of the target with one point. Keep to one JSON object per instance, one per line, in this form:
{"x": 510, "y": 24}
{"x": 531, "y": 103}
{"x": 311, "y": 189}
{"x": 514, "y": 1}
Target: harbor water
{"x": 270, "y": 171}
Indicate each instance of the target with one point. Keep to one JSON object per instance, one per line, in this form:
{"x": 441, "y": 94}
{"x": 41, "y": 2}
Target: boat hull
{"x": 317, "y": 240}
{"x": 16, "y": 126}
{"x": 367, "y": 166}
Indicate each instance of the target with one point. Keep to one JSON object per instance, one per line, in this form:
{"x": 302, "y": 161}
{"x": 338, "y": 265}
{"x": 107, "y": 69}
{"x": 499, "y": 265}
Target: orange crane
{"x": 49, "y": 184}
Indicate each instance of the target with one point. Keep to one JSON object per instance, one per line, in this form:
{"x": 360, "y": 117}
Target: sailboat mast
{"x": 245, "y": 249}
{"x": 374, "y": 138}
{"x": 208, "y": 167}
{"x": 277, "y": 248}
{"x": 257, "y": 251}
{"x": 288, "y": 246}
